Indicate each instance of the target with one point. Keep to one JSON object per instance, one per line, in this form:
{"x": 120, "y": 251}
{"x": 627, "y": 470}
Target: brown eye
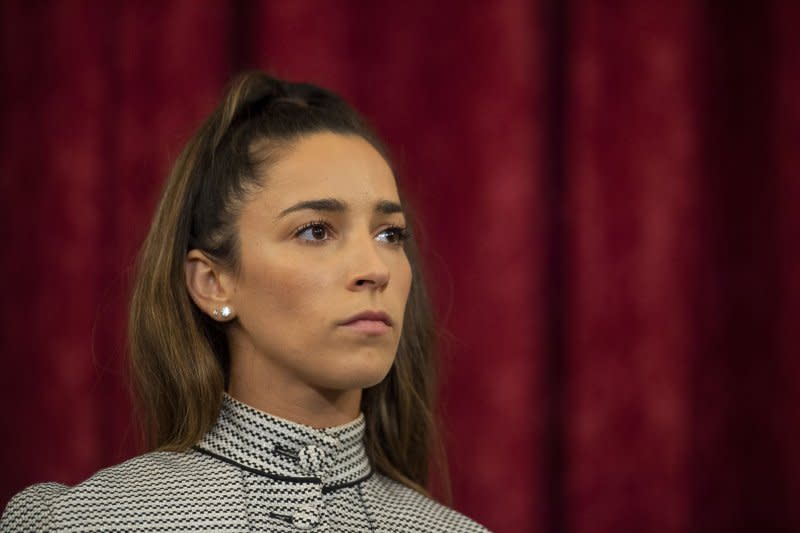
{"x": 313, "y": 232}
{"x": 318, "y": 232}
{"x": 394, "y": 235}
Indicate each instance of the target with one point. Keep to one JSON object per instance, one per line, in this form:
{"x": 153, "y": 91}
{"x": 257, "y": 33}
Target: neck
{"x": 267, "y": 388}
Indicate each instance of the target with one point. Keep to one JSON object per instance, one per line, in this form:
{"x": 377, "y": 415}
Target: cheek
{"x": 406, "y": 276}
{"x": 280, "y": 291}
{"x": 402, "y": 278}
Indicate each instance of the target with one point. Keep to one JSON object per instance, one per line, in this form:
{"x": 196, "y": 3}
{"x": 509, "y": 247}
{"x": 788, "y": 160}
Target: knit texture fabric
{"x": 251, "y": 472}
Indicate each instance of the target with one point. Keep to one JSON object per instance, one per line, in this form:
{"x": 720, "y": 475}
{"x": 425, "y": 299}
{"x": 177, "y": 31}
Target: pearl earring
{"x": 225, "y": 313}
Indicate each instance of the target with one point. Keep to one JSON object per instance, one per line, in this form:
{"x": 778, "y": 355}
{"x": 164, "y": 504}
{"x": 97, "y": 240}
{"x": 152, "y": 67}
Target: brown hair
{"x": 179, "y": 359}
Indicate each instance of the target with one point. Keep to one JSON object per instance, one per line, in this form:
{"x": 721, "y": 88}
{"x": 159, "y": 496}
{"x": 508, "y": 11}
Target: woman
{"x": 280, "y": 338}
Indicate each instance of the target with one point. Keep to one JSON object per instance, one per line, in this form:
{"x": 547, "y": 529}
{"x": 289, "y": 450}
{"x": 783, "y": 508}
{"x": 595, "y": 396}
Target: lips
{"x": 377, "y": 316}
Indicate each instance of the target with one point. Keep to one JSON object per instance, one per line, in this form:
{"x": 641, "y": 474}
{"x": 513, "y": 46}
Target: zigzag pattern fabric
{"x": 251, "y": 472}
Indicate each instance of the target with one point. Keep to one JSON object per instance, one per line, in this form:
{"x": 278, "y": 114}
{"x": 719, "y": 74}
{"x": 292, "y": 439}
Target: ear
{"x": 210, "y": 287}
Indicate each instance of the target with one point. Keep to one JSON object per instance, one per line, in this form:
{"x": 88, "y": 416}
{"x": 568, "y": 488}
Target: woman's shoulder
{"x": 28, "y": 509}
{"x": 115, "y": 494}
{"x": 400, "y": 508}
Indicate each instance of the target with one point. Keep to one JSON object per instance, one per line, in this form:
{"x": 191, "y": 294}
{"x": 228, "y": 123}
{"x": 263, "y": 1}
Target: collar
{"x": 280, "y": 449}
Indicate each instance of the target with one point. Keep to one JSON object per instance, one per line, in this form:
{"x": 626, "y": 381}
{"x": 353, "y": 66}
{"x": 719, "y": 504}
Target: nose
{"x": 370, "y": 271}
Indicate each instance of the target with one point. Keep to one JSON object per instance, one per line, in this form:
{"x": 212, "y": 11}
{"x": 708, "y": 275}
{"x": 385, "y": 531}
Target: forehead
{"x": 329, "y": 165}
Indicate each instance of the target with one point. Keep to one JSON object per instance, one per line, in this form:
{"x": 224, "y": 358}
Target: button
{"x": 305, "y": 517}
{"x": 313, "y": 460}
{"x": 331, "y": 441}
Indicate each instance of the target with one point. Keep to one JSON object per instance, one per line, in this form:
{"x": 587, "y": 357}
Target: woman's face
{"x": 320, "y": 243}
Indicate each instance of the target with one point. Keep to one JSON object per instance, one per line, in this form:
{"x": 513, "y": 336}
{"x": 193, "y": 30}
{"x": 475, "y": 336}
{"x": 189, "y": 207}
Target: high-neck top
{"x": 282, "y": 449}
{"x": 251, "y": 472}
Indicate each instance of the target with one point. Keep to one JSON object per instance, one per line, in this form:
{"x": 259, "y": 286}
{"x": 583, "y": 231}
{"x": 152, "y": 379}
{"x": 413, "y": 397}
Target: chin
{"x": 357, "y": 371}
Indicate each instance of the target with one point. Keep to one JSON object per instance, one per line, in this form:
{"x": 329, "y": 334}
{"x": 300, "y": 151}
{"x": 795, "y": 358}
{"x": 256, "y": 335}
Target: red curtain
{"x": 609, "y": 200}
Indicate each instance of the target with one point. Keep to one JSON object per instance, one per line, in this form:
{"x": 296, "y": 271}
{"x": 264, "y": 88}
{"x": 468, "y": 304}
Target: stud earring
{"x": 224, "y": 313}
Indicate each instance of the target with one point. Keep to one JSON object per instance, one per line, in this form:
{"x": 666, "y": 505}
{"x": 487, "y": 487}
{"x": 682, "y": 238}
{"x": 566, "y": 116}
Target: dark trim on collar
{"x": 288, "y": 479}
{"x": 276, "y": 477}
{"x": 331, "y": 488}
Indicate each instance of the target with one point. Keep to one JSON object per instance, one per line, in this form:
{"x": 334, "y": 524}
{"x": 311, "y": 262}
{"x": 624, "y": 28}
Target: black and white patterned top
{"x": 251, "y": 472}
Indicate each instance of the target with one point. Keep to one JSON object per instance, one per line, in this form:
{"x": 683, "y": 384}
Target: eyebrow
{"x": 333, "y": 205}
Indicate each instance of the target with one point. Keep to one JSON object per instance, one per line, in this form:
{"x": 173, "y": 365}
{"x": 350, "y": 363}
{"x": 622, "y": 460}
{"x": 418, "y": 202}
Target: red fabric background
{"x": 609, "y": 196}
